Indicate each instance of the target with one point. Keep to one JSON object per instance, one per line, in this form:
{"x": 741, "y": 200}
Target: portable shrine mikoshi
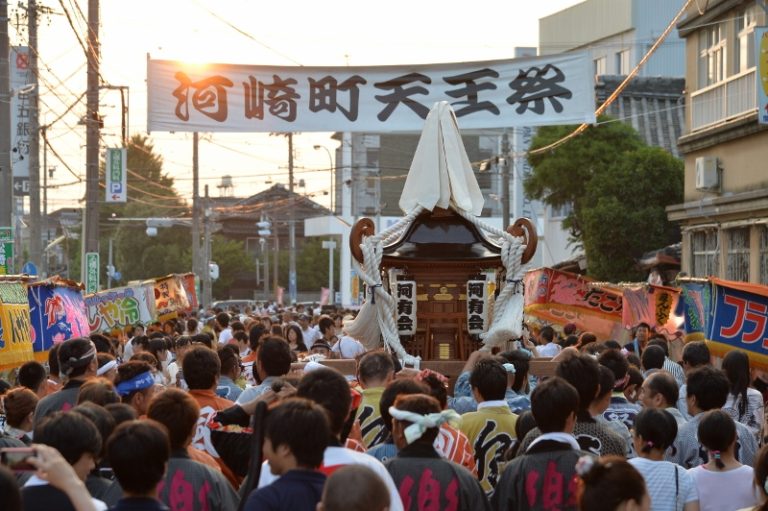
{"x": 440, "y": 282}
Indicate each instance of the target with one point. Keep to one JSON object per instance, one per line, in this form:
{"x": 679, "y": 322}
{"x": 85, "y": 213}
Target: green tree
{"x": 232, "y": 259}
{"x": 151, "y": 193}
{"x": 624, "y": 213}
{"x": 618, "y": 187}
{"x": 560, "y": 177}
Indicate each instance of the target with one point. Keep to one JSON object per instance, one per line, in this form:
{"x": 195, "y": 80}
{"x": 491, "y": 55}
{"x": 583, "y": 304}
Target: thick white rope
{"x": 376, "y": 318}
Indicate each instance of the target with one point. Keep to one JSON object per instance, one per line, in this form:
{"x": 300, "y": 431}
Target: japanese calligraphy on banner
{"x": 739, "y": 320}
{"x": 405, "y": 298}
{"x": 117, "y": 308}
{"x": 170, "y": 297}
{"x": 57, "y": 312}
{"x": 539, "y": 91}
{"x": 560, "y": 297}
{"x": 761, "y": 52}
{"x": 15, "y": 328}
{"x": 654, "y": 305}
{"x": 477, "y": 309}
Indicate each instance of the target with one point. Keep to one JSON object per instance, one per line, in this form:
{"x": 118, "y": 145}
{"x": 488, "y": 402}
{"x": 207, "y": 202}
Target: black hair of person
{"x": 653, "y": 357}
{"x": 490, "y": 379}
{"x": 329, "y": 389}
{"x": 617, "y": 363}
{"x": 325, "y": 323}
{"x": 201, "y": 368}
{"x": 72, "y": 434}
{"x": 696, "y": 354}
{"x": 73, "y": 361}
{"x": 552, "y": 402}
{"x": 607, "y": 382}
{"x": 661, "y": 344}
{"x": 10, "y": 495}
{"x": 303, "y": 426}
{"x": 521, "y": 361}
{"x": 178, "y": 412}
{"x": 583, "y": 372}
{"x": 32, "y": 375}
{"x": 717, "y": 432}
{"x": 375, "y": 365}
{"x": 610, "y": 482}
{"x": 736, "y": 368}
{"x": 661, "y": 382}
{"x": 101, "y": 418}
{"x": 139, "y": 444}
{"x": 53, "y": 360}
{"x": 420, "y": 404}
{"x": 760, "y": 468}
{"x": 709, "y": 386}
{"x": 547, "y": 333}
{"x": 612, "y": 345}
{"x": 657, "y": 428}
{"x": 398, "y": 387}
{"x": 275, "y": 356}
{"x": 255, "y": 334}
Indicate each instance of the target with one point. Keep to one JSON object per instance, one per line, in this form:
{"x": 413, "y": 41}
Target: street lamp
{"x": 332, "y": 191}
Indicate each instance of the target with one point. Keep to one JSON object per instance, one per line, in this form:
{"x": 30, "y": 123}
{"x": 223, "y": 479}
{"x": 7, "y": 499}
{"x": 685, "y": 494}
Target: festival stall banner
{"x": 170, "y": 297}
{"x": 15, "y": 327}
{"x": 738, "y": 319}
{"x": 651, "y": 304}
{"x": 119, "y": 307}
{"x": 560, "y": 298}
{"x": 405, "y": 300}
{"x": 694, "y": 306}
{"x": 57, "y": 312}
{"x": 188, "y": 280}
{"x": 534, "y": 91}
{"x": 477, "y": 307}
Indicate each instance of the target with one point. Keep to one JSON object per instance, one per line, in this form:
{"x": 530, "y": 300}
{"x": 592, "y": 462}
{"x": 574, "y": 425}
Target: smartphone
{"x": 15, "y": 458}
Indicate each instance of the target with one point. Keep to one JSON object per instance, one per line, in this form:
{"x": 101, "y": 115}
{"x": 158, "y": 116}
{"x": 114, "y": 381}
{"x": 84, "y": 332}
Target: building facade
{"x": 724, "y": 216}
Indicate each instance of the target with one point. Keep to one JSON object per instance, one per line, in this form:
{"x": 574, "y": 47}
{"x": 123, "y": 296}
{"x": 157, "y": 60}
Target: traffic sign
{"x": 20, "y": 186}
{"x": 116, "y": 172}
{"x": 29, "y": 268}
{"x": 6, "y": 249}
{"x": 91, "y": 272}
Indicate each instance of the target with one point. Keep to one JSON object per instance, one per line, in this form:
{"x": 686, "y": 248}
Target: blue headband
{"x": 139, "y": 382}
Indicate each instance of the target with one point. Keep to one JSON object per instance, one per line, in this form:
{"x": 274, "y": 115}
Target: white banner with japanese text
{"x": 405, "y": 298}
{"x": 539, "y": 91}
{"x": 20, "y": 78}
{"x": 477, "y": 307}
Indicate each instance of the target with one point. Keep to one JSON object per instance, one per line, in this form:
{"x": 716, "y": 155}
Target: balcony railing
{"x": 724, "y": 100}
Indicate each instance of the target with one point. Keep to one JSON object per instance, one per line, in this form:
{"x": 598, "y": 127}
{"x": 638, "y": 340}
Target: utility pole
{"x": 91, "y": 217}
{"x": 47, "y": 238}
{"x": 6, "y": 176}
{"x": 35, "y": 231}
{"x": 291, "y": 226}
{"x": 196, "y": 266}
{"x": 505, "y": 181}
{"x": 206, "y": 276}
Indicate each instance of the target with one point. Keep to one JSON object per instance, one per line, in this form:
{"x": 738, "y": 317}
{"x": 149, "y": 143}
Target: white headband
{"x": 421, "y": 423}
{"x": 106, "y": 367}
{"x": 510, "y": 368}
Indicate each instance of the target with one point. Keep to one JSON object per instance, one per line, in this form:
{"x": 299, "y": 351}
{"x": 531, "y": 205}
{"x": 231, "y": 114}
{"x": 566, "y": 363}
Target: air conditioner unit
{"x": 707, "y": 174}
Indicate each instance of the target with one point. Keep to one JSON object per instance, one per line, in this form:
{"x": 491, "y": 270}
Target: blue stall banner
{"x": 739, "y": 319}
{"x": 694, "y": 306}
{"x": 57, "y": 313}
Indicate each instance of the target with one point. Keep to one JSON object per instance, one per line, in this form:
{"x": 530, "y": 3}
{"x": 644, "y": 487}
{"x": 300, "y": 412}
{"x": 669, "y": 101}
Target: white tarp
{"x": 540, "y": 91}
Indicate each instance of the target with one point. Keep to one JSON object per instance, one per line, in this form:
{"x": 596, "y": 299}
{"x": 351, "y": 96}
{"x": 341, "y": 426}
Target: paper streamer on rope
{"x": 477, "y": 307}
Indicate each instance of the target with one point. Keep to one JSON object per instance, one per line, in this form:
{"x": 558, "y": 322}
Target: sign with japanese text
{"x": 560, "y": 297}
{"x": 114, "y": 309}
{"x": 91, "y": 272}
{"x": 538, "y": 91}
{"x": 15, "y": 327}
{"x": 761, "y": 61}
{"x": 190, "y": 287}
{"x": 170, "y": 297}
{"x": 405, "y": 301}
{"x": 57, "y": 312}
{"x": 739, "y": 320}
{"x": 477, "y": 308}
{"x": 6, "y": 250}
{"x": 20, "y": 78}
{"x": 117, "y": 175}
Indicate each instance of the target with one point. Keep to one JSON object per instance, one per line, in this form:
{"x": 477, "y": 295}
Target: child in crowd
{"x": 717, "y": 433}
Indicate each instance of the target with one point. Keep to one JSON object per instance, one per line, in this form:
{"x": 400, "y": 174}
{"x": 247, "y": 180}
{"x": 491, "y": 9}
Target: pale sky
{"x": 300, "y": 32}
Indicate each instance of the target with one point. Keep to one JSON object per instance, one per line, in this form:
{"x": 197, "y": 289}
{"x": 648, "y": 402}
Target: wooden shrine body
{"x": 441, "y": 251}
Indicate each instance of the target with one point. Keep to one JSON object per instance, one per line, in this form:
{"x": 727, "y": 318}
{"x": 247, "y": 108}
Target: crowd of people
{"x": 236, "y": 412}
